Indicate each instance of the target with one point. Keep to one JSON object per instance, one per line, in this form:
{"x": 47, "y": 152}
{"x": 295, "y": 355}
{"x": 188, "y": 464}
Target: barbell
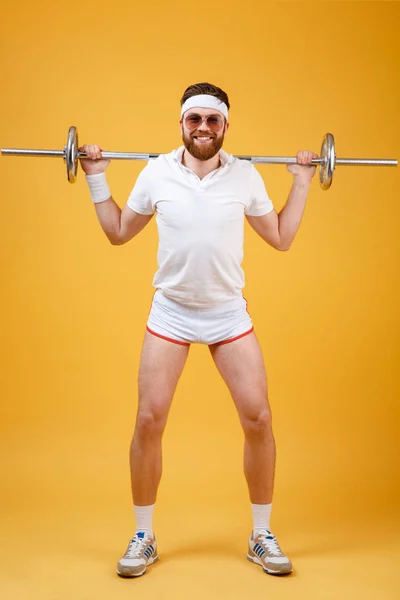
{"x": 327, "y": 160}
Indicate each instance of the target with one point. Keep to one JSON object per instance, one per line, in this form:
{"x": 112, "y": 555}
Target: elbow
{"x": 283, "y": 246}
{"x": 115, "y": 240}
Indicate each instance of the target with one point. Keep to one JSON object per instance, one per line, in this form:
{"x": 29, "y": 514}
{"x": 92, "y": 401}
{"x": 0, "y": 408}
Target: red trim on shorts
{"x": 166, "y": 338}
{"x": 235, "y": 338}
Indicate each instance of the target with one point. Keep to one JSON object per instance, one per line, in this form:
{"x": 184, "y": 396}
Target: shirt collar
{"x": 225, "y": 158}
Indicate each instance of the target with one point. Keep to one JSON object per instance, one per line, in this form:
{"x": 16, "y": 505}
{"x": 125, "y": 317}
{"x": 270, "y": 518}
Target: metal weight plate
{"x": 328, "y": 165}
{"x": 71, "y": 154}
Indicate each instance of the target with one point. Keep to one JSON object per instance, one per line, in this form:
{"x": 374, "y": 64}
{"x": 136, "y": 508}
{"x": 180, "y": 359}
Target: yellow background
{"x": 74, "y": 308}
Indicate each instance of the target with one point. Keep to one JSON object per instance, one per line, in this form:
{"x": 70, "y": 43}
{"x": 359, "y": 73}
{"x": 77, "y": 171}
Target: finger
{"x": 86, "y": 150}
{"x": 307, "y": 157}
{"x": 93, "y": 152}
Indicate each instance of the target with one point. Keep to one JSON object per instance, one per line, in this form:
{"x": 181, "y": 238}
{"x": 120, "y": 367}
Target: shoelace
{"x": 136, "y": 547}
{"x": 270, "y": 542}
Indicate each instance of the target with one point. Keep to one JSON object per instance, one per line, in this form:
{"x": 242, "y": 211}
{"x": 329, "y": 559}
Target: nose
{"x": 204, "y": 124}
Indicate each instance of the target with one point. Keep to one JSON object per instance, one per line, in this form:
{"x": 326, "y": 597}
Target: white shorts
{"x": 185, "y": 325}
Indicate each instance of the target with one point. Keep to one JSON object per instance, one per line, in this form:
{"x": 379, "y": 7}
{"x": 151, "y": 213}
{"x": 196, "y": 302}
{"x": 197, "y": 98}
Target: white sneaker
{"x": 141, "y": 552}
{"x": 264, "y": 550}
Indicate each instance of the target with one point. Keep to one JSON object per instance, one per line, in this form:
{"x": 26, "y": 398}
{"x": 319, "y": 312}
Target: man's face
{"x": 203, "y": 143}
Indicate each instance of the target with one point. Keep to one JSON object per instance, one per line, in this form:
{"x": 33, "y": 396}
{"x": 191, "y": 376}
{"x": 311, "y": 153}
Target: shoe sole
{"x": 257, "y": 561}
{"x": 130, "y": 575}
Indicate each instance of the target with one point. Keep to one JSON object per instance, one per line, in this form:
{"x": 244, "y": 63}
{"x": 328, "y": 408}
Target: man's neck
{"x": 200, "y": 167}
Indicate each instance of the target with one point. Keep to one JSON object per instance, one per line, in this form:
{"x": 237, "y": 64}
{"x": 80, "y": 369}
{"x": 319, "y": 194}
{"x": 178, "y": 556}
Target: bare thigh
{"x": 241, "y": 365}
{"x": 161, "y": 365}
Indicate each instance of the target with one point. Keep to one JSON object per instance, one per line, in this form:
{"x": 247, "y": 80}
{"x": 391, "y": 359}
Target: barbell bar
{"x": 327, "y": 160}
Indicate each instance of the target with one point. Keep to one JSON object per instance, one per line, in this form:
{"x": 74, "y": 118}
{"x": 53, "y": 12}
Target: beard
{"x": 203, "y": 151}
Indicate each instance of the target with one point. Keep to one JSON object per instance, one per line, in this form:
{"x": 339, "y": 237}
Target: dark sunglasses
{"x": 214, "y": 122}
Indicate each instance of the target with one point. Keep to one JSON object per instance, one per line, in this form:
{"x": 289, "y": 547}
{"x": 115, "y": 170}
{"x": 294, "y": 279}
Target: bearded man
{"x": 200, "y": 196}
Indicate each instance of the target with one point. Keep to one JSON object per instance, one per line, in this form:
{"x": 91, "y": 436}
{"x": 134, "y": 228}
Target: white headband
{"x": 205, "y": 101}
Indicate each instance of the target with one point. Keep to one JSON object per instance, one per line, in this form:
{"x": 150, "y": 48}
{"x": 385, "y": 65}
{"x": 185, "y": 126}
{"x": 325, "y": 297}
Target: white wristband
{"x": 98, "y": 187}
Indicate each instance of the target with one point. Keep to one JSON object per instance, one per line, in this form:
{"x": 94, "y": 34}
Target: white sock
{"x": 261, "y": 517}
{"x": 144, "y": 518}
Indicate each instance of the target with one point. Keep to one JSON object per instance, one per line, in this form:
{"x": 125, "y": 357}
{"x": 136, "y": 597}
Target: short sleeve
{"x": 259, "y": 201}
{"x": 140, "y": 197}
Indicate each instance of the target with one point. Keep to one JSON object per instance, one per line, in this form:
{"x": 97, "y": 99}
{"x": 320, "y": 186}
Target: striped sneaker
{"x": 141, "y": 552}
{"x": 264, "y": 550}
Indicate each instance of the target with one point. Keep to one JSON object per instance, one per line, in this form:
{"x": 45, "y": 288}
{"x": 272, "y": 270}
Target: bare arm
{"x": 279, "y": 230}
{"x": 120, "y": 226}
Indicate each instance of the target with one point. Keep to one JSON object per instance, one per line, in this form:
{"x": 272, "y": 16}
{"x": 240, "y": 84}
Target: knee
{"x": 150, "y": 423}
{"x": 258, "y": 423}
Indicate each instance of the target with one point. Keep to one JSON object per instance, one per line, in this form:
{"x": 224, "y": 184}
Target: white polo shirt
{"x": 200, "y": 225}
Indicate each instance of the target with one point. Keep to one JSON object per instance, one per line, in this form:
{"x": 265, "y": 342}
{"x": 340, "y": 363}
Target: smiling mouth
{"x": 202, "y": 138}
